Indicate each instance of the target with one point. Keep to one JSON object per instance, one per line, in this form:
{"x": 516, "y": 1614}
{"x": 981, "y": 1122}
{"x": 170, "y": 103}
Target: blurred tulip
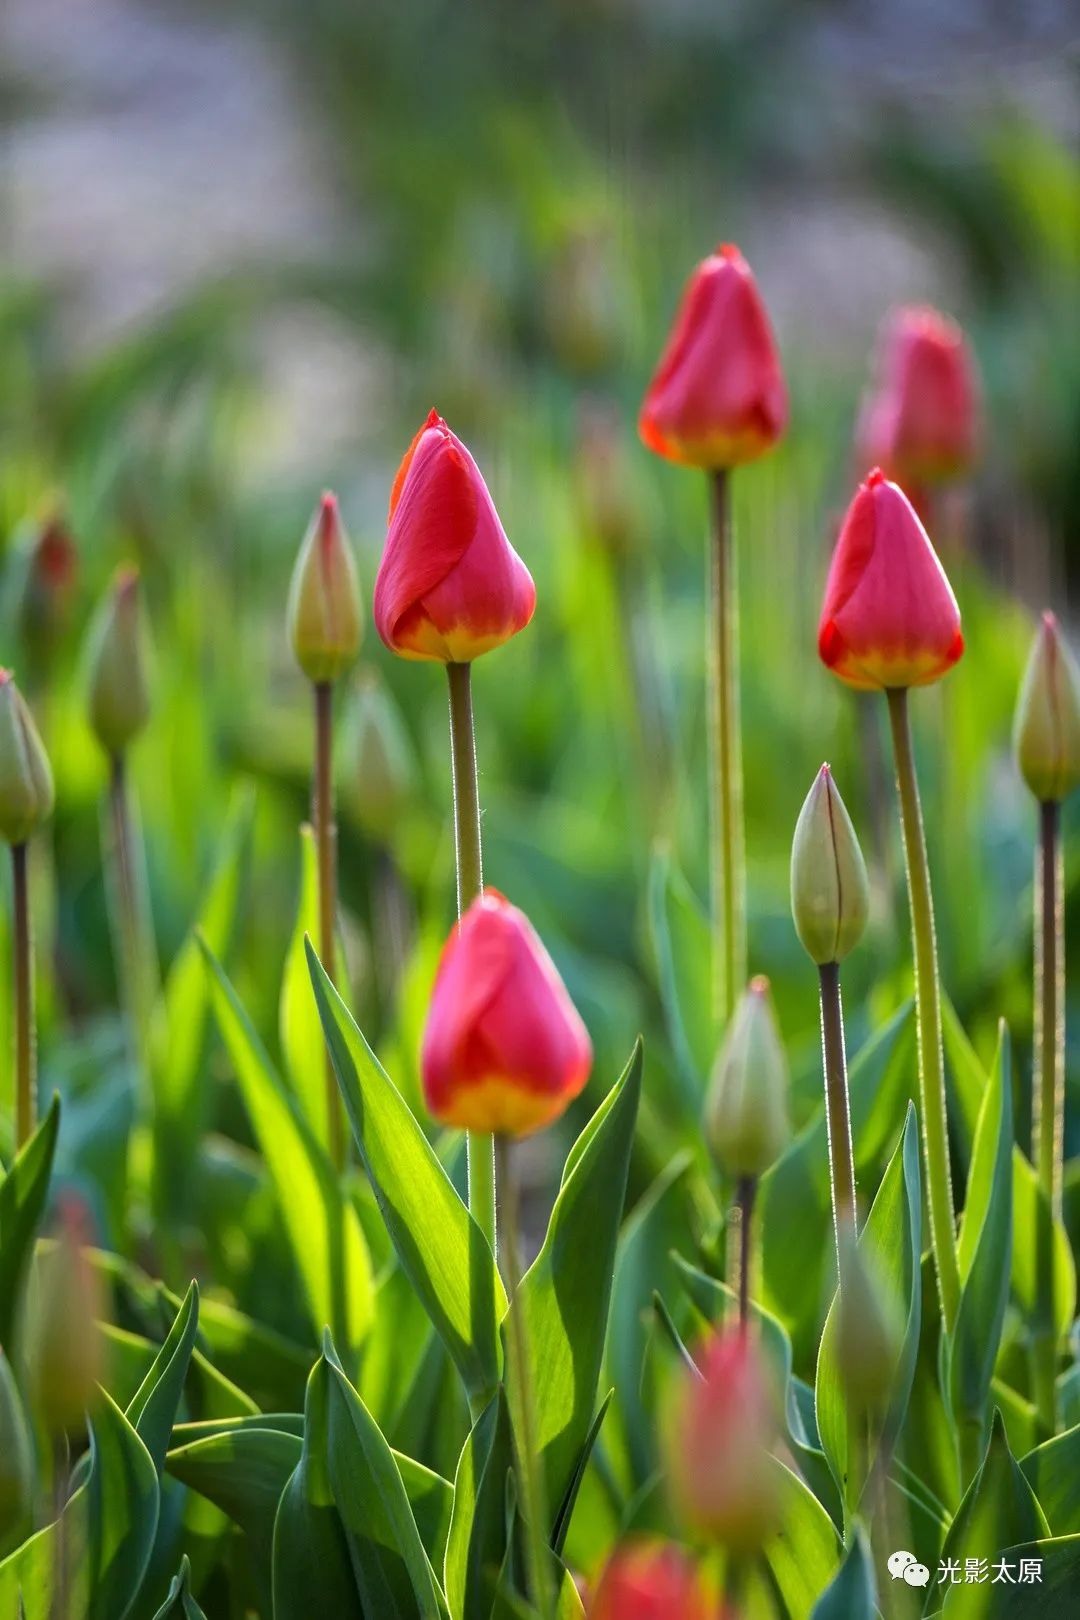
{"x": 26, "y": 783}
{"x": 381, "y": 764}
{"x": 650, "y": 1580}
{"x": 889, "y": 618}
{"x": 16, "y": 1461}
{"x": 450, "y": 585}
{"x": 1046, "y": 731}
{"x": 830, "y": 892}
{"x": 921, "y": 420}
{"x": 717, "y": 399}
{"x": 65, "y": 1350}
{"x": 746, "y": 1120}
{"x": 118, "y": 665}
{"x": 869, "y": 1330}
{"x": 504, "y": 1048}
{"x": 323, "y": 611}
{"x": 722, "y": 1426}
{"x": 40, "y": 582}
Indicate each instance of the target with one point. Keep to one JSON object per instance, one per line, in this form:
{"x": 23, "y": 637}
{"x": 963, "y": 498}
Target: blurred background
{"x": 246, "y": 248}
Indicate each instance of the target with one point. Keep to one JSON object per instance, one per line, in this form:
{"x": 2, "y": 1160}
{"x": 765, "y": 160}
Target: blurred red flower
{"x": 650, "y": 1580}
{"x": 921, "y": 418}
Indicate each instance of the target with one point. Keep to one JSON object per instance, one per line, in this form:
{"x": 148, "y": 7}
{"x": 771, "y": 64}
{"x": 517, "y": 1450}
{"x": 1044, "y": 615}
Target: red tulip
{"x": 504, "y": 1048}
{"x": 450, "y": 585}
{"x": 650, "y": 1580}
{"x": 921, "y": 422}
{"x": 717, "y": 398}
{"x": 889, "y": 617}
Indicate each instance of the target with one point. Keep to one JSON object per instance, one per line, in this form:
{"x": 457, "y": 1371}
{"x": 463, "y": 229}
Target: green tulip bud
{"x": 118, "y": 666}
{"x": 324, "y": 598}
{"x": 830, "y": 894}
{"x": 869, "y": 1330}
{"x": 381, "y": 763}
{"x": 746, "y": 1122}
{"x": 16, "y": 1462}
{"x": 1046, "y": 731}
{"x": 26, "y": 784}
{"x": 65, "y": 1349}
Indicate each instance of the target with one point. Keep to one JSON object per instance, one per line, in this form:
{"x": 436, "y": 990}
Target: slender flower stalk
{"x": 745, "y": 1196}
{"x": 728, "y": 865}
{"x": 837, "y": 1111}
{"x": 324, "y": 826}
{"x": 25, "y": 1028}
{"x": 1048, "y": 1125}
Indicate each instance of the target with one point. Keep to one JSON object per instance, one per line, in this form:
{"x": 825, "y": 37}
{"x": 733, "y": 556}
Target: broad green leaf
{"x": 311, "y": 1551}
{"x": 272, "y": 1368}
{"x": 242, "y": 1470}
{"x": 999, "y": 1509}
{"x": 152, "y": 1411}
{"x": 891, "y": 1239}
{"x": 302, "y": 1045}
{"x": 683, "y": 944}
{"x": 928, "y": 1438}
{"x": 477, "y": 1541}
{"x": 1051, "y": 1595}
{"x": 802, "y": 1555}
{"x": 324, "y": 1229}
{"x": 852, "y": 1592}
{"x": 440, "y": 1246}
{"x": 1053, "y": 1472}
{"x": 394, "y": 1350}
{"x": 566, "y": 1509}
{"x": 1046, "y": 1309}
{"x": 180, "y": 1604}
{"x": 23, "y": 1192}
{"x": 17, "y": 1482}
{"x": 563, "y": 1298}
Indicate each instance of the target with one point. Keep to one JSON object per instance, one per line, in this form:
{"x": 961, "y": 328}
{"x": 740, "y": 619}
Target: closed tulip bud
{"x": 65, "y": 1349}
{"x": 889, "y": 618}
{"x": 717, "y": 398}
{"x": 504, "y": 1048}
{"x": 324, "y": 598}
{"x": 1046, "y": 731}
{"x": 649, "y": 1579}
{"x": 830, "y": 893}
{"x": 869, "y": 1330}
{"x": 921, "y": 422}
{"x": 26, "y": 784}
{"x": 118, "y": 663}
{"x": 722, "y": 1426}
{"x": 450, "y": 584}
{"x": 16, "y": 1462}
{"x": 382, "y": 766}
{"x": 746, "y": 1121}
{"x": 41, "y": 582}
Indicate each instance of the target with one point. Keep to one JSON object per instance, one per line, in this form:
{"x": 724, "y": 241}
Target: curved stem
{"x": 725, "y": 757}
{"x": 25, "y": 1055}
{"x": 837, "y": 1110}
{"x": 927, "y": 1013}
{"x": 745, "y": 1193}
{"x": 322, "y": 818}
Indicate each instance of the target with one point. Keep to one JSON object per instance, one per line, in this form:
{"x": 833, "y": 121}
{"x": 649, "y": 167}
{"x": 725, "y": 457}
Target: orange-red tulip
{"x": 504, "y": 1048}
{"x": 889, "y": 617}
{"x": 650, "y": 1580}
{"x": 450, "y": 584}
{"x": 921, "y": 421}
{"x": 717, "y": 398}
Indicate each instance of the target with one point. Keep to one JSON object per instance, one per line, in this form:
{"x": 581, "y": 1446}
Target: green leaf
{"x": 563, "y": 1298}
{"x": 311, "y": 1552}
{"x": 477, "y": 1542}
{"x": 683, "y": 943}
{"x": 242, "y": 1469}
{"x": 566, "y": 1509}
{"x": 441, "y": 1248}
{"x": 1047, "y": 1301}
{"x": 324, "y": 1229}
{"x": 1053, "y": 1472}
{"x": 802, "y": 1555}
{"x": 302, "y": 1045}
{"x": 274, "y": 1370}
{"x": 891, "y": 1239}
{"x": 23, "y": 1192}
{"x": 152, "y": 1411}
{"x": 1051, "y": 1597}
{"x": 852, "y": 1592}
{"x": 180, "y": 1604}
{"x": 999, "y": 1508}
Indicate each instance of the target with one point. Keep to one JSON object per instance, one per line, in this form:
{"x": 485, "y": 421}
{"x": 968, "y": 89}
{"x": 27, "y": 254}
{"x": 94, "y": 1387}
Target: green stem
{"x": 1049, "y": 1091}
{"x": 745, "y": 1193}
{"x": 529, "y": 1473}
{"x": 725, "y": 757}
{"x": 837, "y": 1111}
{"x": 25, "y": 1054}
{"x": 470, "y": 883}
{"x": 325, "y": 828}
{"x": 133, "y": 932}
{"x": 927, "y": 1013}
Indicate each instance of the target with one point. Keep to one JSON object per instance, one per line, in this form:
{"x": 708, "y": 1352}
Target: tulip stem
{"x": 837, "y": 1110}
{"x": 927, "y": 1012}
{"x": 25, "y": 1055}
{"x": 725, "y": 756}
{"x": 132, "y": 930}
{"x": 322, "y": 817}
{"x": 1048, "y": 1130}
{"x": 745, "y": 1194}
{"x": 470, "y": 883}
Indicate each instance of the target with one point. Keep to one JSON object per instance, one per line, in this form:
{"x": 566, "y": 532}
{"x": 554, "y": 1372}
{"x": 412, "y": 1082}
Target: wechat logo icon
{"x": 904, "y": 1566}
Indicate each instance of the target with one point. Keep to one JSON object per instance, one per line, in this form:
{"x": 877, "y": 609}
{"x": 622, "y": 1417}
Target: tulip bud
{"x": 830, "y": 893}
{"x": 746, "y": 1122}
{"x": 889, "y": 618}
{"x": 65, "y": 1350}
{"x": 921, "y": 422}
{"x": 450, "y": 584}
{"x": 16, "y": 1462}
{"x": 869, "y": 1330}
{"x": 648, "y": 1579}
{"x": 26, "y": 784}
{"x": 1046, "y": 731}
{"x": 717, "y": 399}
{"x": 41, "y": 580}
{"x": 382, "y": 764}
{"x": 607, "y": 504}
{"x": 118, "y": 663}
{"x": 722, "y": 1426}
{"x": 324, "y": 598}
{"x": 504, "y": 1047}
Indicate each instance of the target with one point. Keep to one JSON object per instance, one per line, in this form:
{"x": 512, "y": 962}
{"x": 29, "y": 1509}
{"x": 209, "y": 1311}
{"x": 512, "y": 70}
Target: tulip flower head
{"x": 746, "y": 1120}
{"x": 26, "y": 783}
{"x": 65, "y": 1349}
{"x": 43, "y": 573}
{"x": 830, "y": 892}
{"x": 649, "y": 1579}
{"x": 1046, "y": 732}
{"x": 324, "y": 598}
{"x": 889, "y": 618}
{"x": 921, "y": 421}
{"x": 450, "y": 585}
{"x": 504, "y": 1049}
{"x": 718, "y": 398}
{"x": 118, "y": 661}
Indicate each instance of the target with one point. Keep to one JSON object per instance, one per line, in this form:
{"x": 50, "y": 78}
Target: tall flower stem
{"x": 529, "y": 1474}
{"x": 837, "y": 1110}
{"x": 325, "y": 827}
{"x": 470, "y": 882}
{"x": 1049, "y": 1089}
{"x": 927, "y": 1012}
{"x": 745, "y": 1194}
{"x": 725, "y": 756}
{"x": 25, "y": 1056}
{"x": 131, "y": 926}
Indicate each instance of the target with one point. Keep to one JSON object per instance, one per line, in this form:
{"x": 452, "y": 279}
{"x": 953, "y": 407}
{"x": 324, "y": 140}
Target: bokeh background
{"x": 246, "y": 248}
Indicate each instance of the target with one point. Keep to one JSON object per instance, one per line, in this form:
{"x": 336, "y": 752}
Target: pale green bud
{"x": 324, "y": 598}
{"x": 118, "y": 666}
{"x": 746, "y": 1121}
{"x": 26, "y": 784}
{"x": 830, "y": 894}
{"x": 1046, "y": 731}
{"x": 869, "y": 1329}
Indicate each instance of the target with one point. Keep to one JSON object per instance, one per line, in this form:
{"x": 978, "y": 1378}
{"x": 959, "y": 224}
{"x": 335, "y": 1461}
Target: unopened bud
{"x": 40, "y": 581}
{"x": 65, "y": 1349}
{"x": 118, "y": 666}
{"x": 324, "y": 598}
{"x": 868, "y": 1330}
{"x": 1046, "y": 731}
{"x": 830, "y": 894}
{"x": 381, "y": 762}
{"x": 26, "y": 784}
{"x": 16, "y": 1462}
{"x": 746, "y": 1121}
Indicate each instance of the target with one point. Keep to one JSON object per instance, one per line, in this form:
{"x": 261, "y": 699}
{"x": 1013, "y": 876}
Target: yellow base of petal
{"x": 500, "y": 1106}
